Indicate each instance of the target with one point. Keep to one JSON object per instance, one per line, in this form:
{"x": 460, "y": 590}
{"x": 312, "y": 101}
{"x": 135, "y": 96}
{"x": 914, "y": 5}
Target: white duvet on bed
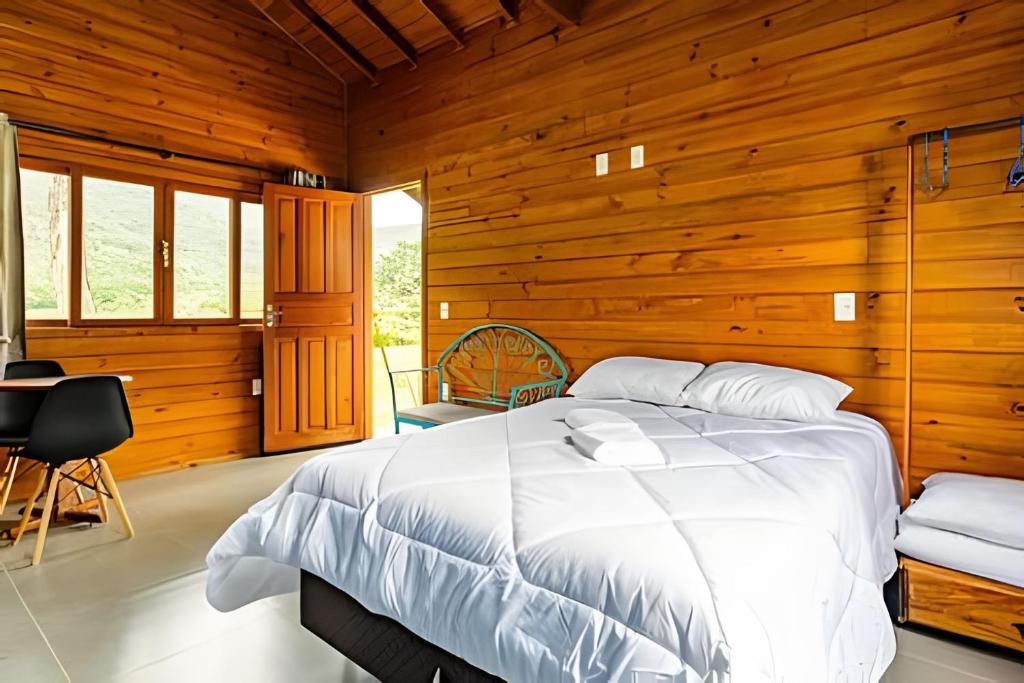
{"x": 756, "y": 554}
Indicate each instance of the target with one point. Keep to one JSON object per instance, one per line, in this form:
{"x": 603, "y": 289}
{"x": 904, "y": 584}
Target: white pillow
{"x": 765, "y": 391}
{"x": 651, "y": 380}
{"x": 989, "y": 508}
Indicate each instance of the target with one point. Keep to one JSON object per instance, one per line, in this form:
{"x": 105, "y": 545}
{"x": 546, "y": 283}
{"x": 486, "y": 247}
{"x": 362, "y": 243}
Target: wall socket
{"x": 257, "y": 387}
{"x": 636, "y": 156}
{"x": 845, "y": 306}
{"x": 601, "y": 163}
{"x": 444, "y": 310}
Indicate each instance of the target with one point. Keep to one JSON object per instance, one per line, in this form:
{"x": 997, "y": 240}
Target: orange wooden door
{"x": 314, "y": 345}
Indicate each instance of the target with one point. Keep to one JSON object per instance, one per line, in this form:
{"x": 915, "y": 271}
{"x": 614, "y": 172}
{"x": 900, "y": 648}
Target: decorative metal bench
{"x": 496, "y": 365}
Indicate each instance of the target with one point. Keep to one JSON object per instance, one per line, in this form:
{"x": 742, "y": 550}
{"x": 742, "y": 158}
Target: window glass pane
{"x": 202, "y": 256}
{"x": 45, "y": 211}
{"x": 252, "y": 260}
{"x": 117, "y": 249}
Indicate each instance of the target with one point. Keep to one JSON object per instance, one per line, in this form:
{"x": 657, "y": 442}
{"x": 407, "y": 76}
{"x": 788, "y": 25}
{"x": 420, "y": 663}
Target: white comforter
{"x": 756, "y": 553}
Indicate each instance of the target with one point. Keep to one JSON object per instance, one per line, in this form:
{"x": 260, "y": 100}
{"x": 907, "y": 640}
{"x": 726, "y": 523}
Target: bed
{"x": 756, "y": 552}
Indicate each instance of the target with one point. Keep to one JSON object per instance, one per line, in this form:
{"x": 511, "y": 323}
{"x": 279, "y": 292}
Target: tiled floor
{"x": 107, "y": 610}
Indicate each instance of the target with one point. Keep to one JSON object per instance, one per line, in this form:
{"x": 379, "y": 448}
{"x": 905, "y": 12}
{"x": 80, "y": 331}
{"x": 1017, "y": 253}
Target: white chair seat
{"x": 443, "y": 413}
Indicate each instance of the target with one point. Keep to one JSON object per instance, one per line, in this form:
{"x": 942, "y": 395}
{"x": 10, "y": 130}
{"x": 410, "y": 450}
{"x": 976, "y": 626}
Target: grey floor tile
{"x": 24, "y": 654}
{"x": 127, "y": 632}
{"x": 268, "y": 649}
{"x": 923, "y": 659}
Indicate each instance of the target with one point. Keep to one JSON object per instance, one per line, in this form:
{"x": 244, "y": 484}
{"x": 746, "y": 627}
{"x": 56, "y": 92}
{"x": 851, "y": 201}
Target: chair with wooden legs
{"x": 81, "y": 418}
{"x": 17, "y": 410}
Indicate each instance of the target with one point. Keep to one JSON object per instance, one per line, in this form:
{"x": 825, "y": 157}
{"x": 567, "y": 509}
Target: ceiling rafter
{"x": 381, "y": 23}
{"x": 269, "y": 17}
{"x": 569, "y": 11}
{"x": 450, "y": 28}
{"x": 335, "y": 39}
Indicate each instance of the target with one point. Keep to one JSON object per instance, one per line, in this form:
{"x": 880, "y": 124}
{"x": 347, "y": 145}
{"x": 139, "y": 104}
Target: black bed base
{"x": 381, "y": 646}
{"x": 394, "y": 654}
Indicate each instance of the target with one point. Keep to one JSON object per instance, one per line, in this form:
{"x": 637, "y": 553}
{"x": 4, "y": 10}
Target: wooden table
{"x": 81, "y": 506}
{"x": 45, "y": 383}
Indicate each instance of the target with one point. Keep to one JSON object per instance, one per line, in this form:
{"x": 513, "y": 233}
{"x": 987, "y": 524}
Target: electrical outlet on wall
{"x": 636, "y": 156}
{"x": 601, "y": 163}
{"x": 845, "y": 306}
{"x": 444, "y": 310}
{"x": 257, "y": 387}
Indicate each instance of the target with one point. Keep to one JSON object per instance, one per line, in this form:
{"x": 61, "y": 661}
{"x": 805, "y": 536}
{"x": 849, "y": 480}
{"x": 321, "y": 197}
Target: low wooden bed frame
{"x": 962, "y": 604}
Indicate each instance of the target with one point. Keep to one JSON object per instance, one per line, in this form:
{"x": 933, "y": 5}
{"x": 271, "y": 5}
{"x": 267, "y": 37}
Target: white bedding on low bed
{"x": 962, "y": 553}
{"x": 757, "y": 553}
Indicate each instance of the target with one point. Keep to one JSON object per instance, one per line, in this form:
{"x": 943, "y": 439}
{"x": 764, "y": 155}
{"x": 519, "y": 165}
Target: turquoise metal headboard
{"x": 501, "y": 351}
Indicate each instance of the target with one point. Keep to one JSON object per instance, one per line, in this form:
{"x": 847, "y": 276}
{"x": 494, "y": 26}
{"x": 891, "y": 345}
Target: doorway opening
{"x": 396, "y": 224}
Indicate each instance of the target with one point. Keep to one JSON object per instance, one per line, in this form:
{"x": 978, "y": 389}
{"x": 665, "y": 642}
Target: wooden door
{"x": 314, "y": 345}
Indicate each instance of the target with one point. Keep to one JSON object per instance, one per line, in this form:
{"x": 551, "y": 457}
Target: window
{"x": 105, "y": 247}
{"x": 46, "y": 220}
{"x": 202, "y": 256}
{"x": 251, "y": 276}
{"x": 117, "y": 249}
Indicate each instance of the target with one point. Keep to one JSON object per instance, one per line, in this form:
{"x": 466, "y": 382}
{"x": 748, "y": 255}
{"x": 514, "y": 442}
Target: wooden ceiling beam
{"x": 335, "y": 39}
{"x": 509, "y": 9}
{"x": 381, "y": 23}
{"x": 269, "y": 17}
{"x": 569, "y": 11}
{"x": 453, "y": 32}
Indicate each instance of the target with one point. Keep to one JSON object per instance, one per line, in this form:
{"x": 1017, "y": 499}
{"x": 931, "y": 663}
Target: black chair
{"x": 17, "y": 410}
{"x": 81, "y": 418}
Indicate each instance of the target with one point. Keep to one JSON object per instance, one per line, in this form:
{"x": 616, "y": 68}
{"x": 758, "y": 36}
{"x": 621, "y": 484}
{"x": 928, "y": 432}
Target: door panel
{"x": 314, "y": 245}
{"x": 284, "y": 210}
{"x": 286, "y": 359}
{"x": 314, "y": 351}
{"x": 344, "y": 368}
{"x": 339, "y": 249}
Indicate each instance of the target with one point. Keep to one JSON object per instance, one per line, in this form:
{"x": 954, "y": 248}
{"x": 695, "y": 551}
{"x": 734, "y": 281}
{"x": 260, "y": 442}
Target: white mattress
{"x": 757, "y": 553}
{"x": 962, "y": 553}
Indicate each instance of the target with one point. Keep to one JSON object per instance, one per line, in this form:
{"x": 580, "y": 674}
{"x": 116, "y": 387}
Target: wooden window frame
{"x": 234, "y": 255}
{"x": 163, "y": 229}
{"x": 78, "y": 245}
{"x": 237, "y": 256}
{"x": 65, "y": 170}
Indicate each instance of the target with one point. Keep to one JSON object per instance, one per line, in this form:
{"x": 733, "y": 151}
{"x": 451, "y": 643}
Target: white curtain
{"x": 12, "y": 275}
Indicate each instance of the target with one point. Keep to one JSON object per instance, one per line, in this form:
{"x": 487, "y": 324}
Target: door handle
{"x": 272, "y": 317}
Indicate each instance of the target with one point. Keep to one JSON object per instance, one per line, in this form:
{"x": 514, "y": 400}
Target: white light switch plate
{"x": 257, "y": 387}
{"x": 444, "y": 310}
{"x": 444, "y": 391}
{"x": 636, "y": 156}
{"x": 601, "y": 163}
{"x": 845, "y": 306}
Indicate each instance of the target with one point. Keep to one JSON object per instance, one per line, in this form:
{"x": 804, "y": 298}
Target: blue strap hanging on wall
{"x": 926, "y": 179}
{"x": 1015, "y": 178}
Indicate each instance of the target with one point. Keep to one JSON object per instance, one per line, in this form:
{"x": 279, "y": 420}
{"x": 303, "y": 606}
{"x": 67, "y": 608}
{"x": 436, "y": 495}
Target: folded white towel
{"x": 616, "y": 443}
{"x": 581, "y": 417}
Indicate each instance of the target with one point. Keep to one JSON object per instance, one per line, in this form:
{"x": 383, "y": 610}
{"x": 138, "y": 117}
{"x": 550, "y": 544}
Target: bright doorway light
{"x": 397, "y": 227}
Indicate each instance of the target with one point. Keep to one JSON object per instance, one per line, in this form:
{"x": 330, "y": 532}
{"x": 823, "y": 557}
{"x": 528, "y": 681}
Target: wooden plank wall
{"x": 191, "y": 397}
{"x": 775, "y": 136}
{"x": 213, "y": 79}
{"x": 968, "y": 361}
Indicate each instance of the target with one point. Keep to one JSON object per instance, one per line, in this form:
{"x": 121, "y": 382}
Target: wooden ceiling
{"x": 357, "y": 39}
